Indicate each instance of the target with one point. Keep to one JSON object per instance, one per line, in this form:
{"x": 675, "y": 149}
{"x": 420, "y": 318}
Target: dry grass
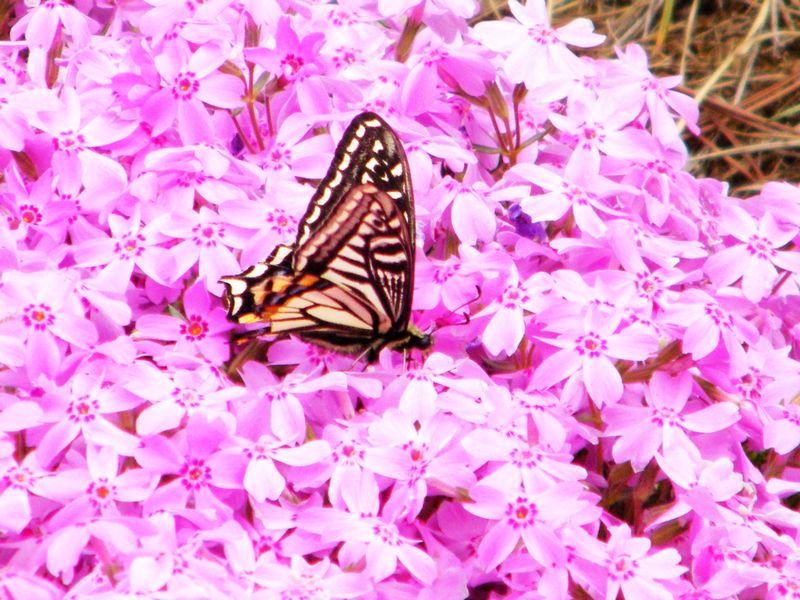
{"x": 740, "y": 60}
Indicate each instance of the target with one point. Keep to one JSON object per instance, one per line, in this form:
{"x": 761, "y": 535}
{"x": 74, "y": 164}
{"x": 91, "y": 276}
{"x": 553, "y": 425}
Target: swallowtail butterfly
{"x": 346, "y": 283}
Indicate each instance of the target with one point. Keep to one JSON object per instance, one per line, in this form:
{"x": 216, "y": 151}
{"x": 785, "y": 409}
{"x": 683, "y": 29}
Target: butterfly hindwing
{"x": 347, "y": 282}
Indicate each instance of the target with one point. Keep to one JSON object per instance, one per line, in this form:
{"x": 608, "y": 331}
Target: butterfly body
{"x": 347, "y": 282}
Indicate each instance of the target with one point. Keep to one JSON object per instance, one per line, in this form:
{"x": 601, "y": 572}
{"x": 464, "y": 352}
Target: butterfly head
{"x": 414, "y": 338}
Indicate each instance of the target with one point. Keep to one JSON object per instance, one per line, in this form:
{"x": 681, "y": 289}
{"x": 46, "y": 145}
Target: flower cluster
{"x": 610, "y": 405}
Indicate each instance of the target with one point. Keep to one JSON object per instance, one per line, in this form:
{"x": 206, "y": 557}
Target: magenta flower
{"x": 196, "y": 475}
{"x": 588, "y": 347}
{"x": 606, "y": 127}
{"x": 267, "y": 224}
{"x": 84, "y": 409}
{"x": 377, "y": 542}
{"x": 531, "y": 518}
{"x": 534, "y": 50}
{"x": 413, "y": 458}
{"x": 506, "y": 328}
{"x": 310, "y": 580}
{"x": 581, "y": 191}
{"x": 634, "y": 80}
{"x": 454, "y": 281}
{"x": 634, "y": 571}
{"x": 254, "y": 465}
{"x": 664, "y": 421}
{"x": 519, "y": 464}
{"x": 349, "y": 474}
{"x": 130, "y": 246}
{"x": 199, "y": 331}
{"x": 48, "y": 317}
{"x": 190, "y": 81}
{"x": 203, "y": 242}
{"x": 277, "y": 407}
{"x": 463, "y": 67}
{"x": 708, "y": 321}
{"x": 173, "y": 397}
{"x": 292, "y": 58}
{"x": 77, "y": 138}
{"x": 755, "y": 259}
{"x": 703, "y": 485}
{"x": 19, "y": 483}
{"x": 97, "y": 489}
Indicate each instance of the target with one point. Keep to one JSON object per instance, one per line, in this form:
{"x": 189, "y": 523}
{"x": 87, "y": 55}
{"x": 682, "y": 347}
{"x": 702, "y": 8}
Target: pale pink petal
{"x": 496, "y": 545}
{"x": 554, "y": 368}
{"x": 262, "y": 480}
{"x": 602, "y": 380}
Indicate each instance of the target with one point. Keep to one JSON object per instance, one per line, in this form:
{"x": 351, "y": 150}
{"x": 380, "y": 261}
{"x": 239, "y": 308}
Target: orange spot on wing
{"x": 307, "y": 280}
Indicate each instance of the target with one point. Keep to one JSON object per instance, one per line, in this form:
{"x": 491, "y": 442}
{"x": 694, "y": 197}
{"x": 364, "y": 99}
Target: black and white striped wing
{"x": 347, "y": 283}
{"x": 369, "y": 152}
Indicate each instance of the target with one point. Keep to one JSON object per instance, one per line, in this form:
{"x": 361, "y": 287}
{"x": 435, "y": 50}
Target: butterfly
{"x": 347, "y": 281}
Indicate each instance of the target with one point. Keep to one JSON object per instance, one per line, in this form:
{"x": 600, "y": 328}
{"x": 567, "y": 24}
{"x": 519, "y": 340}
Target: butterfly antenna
{"x": 467, "y": 303}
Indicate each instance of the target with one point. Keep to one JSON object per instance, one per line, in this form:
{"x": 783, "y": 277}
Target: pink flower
{"x": 190, "y": 81}
{"x": 703, "y": 486}
{"x": 372, "y": 539}
{"x": 607, "y": 127}
{"x": 532, "y": 518}
{"x": 196, "y": 474}
{"x": 254, "y": 465}
{"x": 130, "y": 246}
{"x": 302, "y": 579}
{"x": 634, "y": 571}
{"x": 664, "y": 422}
{"x": 634, "y": 80}
{"x": 412, "y": 458}
{"x": 506, "y": 328}
{"x": 707, "y": 321}
{"x": 292, "y": 58}
{"x": 199, "y": 331}
{"x": 19, "y": 483}
{"x": 535, "y": 50}
{"x": 48, "y": 317}
{"x": 277, "y": 408}
{"x": 84, "y": 409}
{"x": 755, "y": 259}
{"x": 77, "y": 136}
{"x": 203, "y": 236}
{"x": 588, "y": 347}
{"x": 581, "y": 191}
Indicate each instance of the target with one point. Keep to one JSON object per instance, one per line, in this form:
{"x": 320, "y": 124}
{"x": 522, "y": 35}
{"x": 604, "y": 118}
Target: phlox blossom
{"x": 756, "y": 257}
{"x": 588, "y": 347}
{"x": 664, "y": 421}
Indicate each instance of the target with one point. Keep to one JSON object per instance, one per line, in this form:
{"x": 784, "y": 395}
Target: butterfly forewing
{"x": 369, "y": 152}
{"x": 347, "y": 282}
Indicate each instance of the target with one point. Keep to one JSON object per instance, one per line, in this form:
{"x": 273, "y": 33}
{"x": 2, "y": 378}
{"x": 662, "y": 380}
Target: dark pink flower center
{"x": 195, "y": 474}
{"x": 760, "y": 248}
{"x": 623, "y": 568}
{"x": 521, "y": 513}
{"x": 195, "y": 329}
{"x": 186, "y": 398}
{"x": 129, "y": 246}
{"x": 69, "y": 142}
{"x": 29, "y": 214}
{"x": 38, "y": 316}
{"x": 83, "y": 410}
{"x": 445, "y": 272}
{"x": 719, "y": 316}
{"x": 208, "y": 235}
{"x": 291, "y": 64}
{"x": 185, "y": 86}
{"x": 591, "y": 345}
